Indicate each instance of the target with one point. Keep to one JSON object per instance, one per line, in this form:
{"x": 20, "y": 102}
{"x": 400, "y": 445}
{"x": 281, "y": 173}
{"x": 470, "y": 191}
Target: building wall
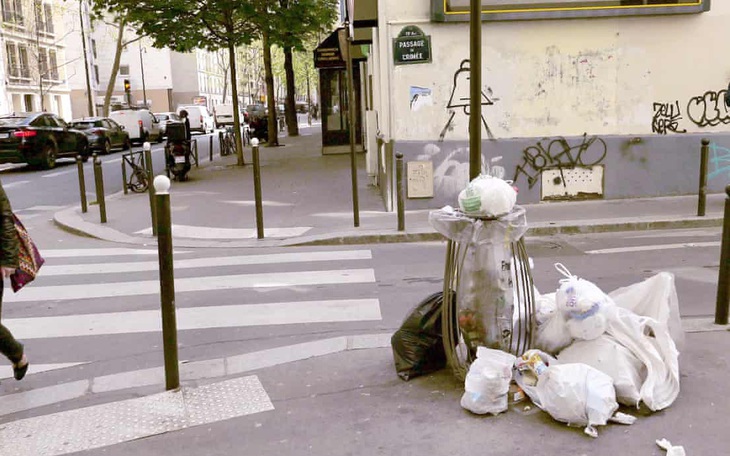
{"x": 53, "y": 94}
{"x": 647, "y": 87}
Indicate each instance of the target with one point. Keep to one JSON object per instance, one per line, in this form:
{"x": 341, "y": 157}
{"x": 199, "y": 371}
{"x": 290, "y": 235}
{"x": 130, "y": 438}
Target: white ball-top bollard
{"x": 254, "y": 142}
{"x": 162, "y": 184}
{"x": 147, "y": 146}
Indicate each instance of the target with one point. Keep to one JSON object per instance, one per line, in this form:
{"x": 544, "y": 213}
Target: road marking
{"x": 76, "y": 253}
{"x": 646, "y": 248}
{"x": 139, "y": 266}
{"x": 252, "y": 203}
{"x": 15, "y": 184}
{"x": 43, "y": 208}
{"x": 205, "y": 232}
{"x": 190, "y": 318}
{"x": 59, "y": 173}
{"x": 229, "y": 282}
{"x": 11, "y": 166}
{"x": 35, "y": 368}
{"x": 116, "y": 422}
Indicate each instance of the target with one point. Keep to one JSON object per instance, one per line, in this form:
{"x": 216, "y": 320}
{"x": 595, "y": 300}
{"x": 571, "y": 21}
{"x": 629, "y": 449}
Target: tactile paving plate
{"x": 117, "y": 422}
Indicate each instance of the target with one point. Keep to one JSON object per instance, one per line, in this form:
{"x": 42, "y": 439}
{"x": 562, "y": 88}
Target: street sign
{"x": 411, "y": 46}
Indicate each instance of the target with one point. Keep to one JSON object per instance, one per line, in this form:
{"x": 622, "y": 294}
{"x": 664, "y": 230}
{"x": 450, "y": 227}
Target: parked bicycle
{"x": 138, "y": 181}
{"x": 227, "y": 144}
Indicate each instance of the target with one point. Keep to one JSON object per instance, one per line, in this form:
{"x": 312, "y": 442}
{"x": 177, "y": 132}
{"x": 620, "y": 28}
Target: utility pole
{"x": 86, "y": 60}
{"x": 475, "y": 96}
{"x": 141, "y": 64}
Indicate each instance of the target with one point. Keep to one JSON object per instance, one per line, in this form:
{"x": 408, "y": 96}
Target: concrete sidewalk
{"x": 307, "y": 200}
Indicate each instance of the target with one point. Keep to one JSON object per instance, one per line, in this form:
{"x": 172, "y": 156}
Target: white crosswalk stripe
{"x": 86, "y": 288}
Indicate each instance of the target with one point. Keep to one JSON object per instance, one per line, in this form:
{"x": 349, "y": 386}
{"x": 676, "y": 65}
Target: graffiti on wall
{"x": 709, "y": 110}
{"x": 461, "y": 98}
{"x": 719, "y": 162}
{"x": 558, "y": 153}
{"x": 666, "y": 118}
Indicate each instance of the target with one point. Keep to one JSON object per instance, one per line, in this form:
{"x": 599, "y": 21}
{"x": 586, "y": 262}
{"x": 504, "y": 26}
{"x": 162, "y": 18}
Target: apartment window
{"x": 43, "y": 63}
{"x": 48, "y": 16}
{"x": 23, "y": 62}
{"x": 93, "y": 48}
{"x": 496, "y": 10}
{"x": 96, "y": 74}
{"x": 13, "y": 11}
{"x": 53, "y": 65}
{"x": 123, "y": 70}
{"x": 28, "y": 102}
{"x": 13, "y": 67}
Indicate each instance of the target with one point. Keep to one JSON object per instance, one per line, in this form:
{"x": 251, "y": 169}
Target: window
{"x": 23, "y": 62}
{"x": 96, "y": 74}
{"x": 28, "y": 102}
{"x": 13, "y": 67}
{"x": 53, "y": 64}
{"x": 43, "y": 63}
{"x": 93, "y": 48}
{"x": 458, "y": 10}
{"x": 12, "y": 11}
{"x": 48, "y": 13}
{"x": 123, "y": 70}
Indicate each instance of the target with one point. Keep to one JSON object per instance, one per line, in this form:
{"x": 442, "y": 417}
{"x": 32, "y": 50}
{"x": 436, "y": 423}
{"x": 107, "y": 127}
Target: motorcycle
{"x": 259, "y": 127}
{"x": 177, "y": 152}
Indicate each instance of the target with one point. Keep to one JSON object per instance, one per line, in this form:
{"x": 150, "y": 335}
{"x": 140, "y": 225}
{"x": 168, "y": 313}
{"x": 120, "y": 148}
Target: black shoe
{"x": 19, "y": 372}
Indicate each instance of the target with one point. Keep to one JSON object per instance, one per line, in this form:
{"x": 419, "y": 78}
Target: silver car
{"x": 165, "y": 117}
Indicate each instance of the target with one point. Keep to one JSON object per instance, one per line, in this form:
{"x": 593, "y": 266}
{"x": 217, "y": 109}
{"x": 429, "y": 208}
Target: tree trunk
{"x": 236, "y": 116}
{"x": 270, "y": 100}
{"x": 115, "y": 66}
{"x": 290, "y": 108}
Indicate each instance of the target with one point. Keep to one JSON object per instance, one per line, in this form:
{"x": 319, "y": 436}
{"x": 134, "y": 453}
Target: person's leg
{"x": 11, "y": 348}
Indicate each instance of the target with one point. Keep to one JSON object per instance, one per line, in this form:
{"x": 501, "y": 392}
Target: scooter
{"x": 177, "y": 152}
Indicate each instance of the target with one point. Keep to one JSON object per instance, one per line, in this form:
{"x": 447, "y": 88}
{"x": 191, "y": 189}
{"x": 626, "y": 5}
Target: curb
{"x": 70, "y": 221}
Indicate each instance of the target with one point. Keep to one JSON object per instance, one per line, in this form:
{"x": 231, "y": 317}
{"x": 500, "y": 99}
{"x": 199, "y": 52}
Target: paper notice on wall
{"x": 420, "y": 97}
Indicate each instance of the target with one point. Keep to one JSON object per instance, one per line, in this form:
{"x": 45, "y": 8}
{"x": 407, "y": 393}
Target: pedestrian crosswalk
{"x": 100, "y": 295}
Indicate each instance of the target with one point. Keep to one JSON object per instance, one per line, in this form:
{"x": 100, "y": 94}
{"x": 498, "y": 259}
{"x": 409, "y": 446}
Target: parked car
{"x": 141, "y": 124}
{"x": 103, "y": 133}
{"x": 200, "y": 118}
{"x": 164, "y": 118}
{"x": 38, "y": 139}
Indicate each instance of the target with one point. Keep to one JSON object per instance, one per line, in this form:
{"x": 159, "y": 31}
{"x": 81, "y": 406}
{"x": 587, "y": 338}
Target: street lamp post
{"x": 141, "y": 64}
{"x": 86, "y": 60}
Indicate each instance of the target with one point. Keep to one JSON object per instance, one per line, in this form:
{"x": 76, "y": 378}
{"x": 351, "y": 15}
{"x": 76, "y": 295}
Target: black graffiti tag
{"x": 559, "y": 154}
{"x": 666, "y": 118}
{"x": 709, "y": 110}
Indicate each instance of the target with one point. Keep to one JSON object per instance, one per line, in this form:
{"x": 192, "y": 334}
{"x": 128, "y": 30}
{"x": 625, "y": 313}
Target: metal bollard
{"x": 82, "y": 184}
{"x": 704, "y": 156}
{"x": 722, "y": 306}
{"x": 167, "y": 281}
{"x": 150, "y": 175}
{"x": 99, "y": 181}
{"x": 125, "y": 186}
{"x": 220, "y": 146}
{"x": 257, "y": 188}
{"x": 210, "y": 146}
{"x": 401, "y": 201}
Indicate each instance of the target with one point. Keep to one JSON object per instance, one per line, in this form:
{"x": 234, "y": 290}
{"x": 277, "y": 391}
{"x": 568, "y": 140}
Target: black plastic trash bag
{"x": 418, "y": 346}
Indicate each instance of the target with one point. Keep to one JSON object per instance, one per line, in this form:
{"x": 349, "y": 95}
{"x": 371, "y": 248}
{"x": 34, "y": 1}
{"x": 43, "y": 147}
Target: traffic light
{"x": 127, "y": 85}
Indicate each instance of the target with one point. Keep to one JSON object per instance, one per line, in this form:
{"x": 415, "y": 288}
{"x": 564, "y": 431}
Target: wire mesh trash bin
{"x": 487, "y": 274}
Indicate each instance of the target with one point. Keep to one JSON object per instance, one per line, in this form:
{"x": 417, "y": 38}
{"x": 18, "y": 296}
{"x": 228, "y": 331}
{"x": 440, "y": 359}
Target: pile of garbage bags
{"x": 593, "y": 351}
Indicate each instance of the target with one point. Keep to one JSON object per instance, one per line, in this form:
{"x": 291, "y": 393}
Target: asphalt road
{"x": 59, "y": 187}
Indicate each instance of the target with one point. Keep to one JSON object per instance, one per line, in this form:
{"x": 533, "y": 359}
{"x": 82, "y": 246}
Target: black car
{"x": 103, "y": 133}
{"x": 39, "y": 138}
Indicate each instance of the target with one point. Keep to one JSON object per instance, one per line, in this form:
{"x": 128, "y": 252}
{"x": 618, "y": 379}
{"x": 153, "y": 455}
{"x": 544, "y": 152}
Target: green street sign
{"x": 412, "y": 49}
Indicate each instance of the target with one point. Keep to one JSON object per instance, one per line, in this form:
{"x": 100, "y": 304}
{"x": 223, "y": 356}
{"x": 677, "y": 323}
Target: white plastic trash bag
{"x": 487, "y": 196}
{"x": 487, "y": 382}
{"x": 613, "y": 359}
{"x": 655, "y": 297}
{"x": 585, "y": 307}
